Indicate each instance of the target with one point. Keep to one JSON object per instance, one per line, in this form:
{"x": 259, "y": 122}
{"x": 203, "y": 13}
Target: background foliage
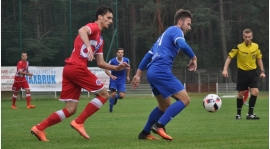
{"x": 48, "y": 28}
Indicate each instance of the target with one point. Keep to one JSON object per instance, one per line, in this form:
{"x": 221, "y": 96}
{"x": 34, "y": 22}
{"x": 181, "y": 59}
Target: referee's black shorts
{"x": 247, "y": 79}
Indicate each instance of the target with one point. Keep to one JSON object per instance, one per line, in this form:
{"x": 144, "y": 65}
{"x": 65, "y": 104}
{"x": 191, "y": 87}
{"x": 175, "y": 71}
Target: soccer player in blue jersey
{"x": 118, "y": 79}
{"x": 164, "y": 84}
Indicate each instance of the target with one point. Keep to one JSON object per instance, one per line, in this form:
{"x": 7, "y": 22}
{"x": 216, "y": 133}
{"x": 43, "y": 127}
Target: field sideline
{"x": 193, "y": 128}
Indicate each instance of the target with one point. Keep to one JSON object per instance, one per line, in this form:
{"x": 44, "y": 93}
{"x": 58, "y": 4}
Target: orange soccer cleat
{"x": 161, "y": 132}
{"x": 39, "y": 134}
{"x": 147, "y": 137}
{"x": 80, "y": 129}
{"x": 30, "y": 106}
{"x": 14, "y": 107}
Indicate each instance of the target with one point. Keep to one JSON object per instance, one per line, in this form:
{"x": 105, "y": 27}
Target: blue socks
{"x": 171, "y": 112}
{"x": 152, "y": 119}
{"x": 111, "y": 100}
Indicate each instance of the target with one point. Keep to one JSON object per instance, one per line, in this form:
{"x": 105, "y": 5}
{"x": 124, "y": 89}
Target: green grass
{"x": 193, "y": 128}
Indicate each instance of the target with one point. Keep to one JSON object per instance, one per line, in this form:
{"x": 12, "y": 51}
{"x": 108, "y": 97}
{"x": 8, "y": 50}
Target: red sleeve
{"x": 92, "y": 27}
{"x": 19, "y": 66}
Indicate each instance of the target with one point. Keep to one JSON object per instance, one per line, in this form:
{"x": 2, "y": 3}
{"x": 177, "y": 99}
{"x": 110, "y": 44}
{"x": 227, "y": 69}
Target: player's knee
{"x": 121, "y": 96}
{"x": 186, "y": 101}
{"x": 71, "y": 110}
{"x": 255, "y": 92}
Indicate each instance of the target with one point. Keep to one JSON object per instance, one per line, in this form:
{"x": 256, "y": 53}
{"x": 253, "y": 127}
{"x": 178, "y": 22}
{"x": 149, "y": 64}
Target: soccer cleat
{"x": 245, "y": 104}
{"x": 252, "y": 117}
{"x": 238, "y": 117}
{"x": 39, "y": 134}
{"x": 161, "y": 132}
{"x": 14, "y": 107}
{"x": 80, "y": 129}
{"x": 115, "y": 101}
{"x": 30, "y": 106}
{"x": 147, "y": 137}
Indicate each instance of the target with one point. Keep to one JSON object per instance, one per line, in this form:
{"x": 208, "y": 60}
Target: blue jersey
{"x": 166, "y": 49}
{"x": 121, "y": 75}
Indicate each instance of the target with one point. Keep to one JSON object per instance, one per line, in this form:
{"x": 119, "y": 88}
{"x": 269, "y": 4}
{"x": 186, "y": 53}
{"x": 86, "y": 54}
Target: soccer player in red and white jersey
{"x": 88, "y": 43}
{"x": 21, "y": 82}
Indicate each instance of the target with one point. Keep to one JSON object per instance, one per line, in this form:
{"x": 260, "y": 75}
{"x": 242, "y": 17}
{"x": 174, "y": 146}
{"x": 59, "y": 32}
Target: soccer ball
{"x": 212, "y": 103}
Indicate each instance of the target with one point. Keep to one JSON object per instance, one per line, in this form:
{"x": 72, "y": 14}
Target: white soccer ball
{"x": 212, "y": 103}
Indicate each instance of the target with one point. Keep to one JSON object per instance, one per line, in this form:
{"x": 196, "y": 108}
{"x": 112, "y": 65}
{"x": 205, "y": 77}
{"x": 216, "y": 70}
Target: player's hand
{"x": 122, "y": 66}
{"x": 225, "y": 73}
{"x": 192, "y": 65}
{"x": 128, "y": 79}
{"x": 90, "y": 54}
{"x": 135, "y": 82}
{"x": 262, "y": 75}
{"x": 113, "y": 77}
{"x": 30, "y": 75}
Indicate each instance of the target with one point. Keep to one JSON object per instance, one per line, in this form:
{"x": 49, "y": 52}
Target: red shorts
{"x": 76, "y": 77}
{"x": 20, "y": 84}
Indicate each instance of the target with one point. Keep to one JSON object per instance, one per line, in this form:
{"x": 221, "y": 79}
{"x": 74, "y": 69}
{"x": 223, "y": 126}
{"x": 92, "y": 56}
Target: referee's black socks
{"x": 252, "y": 102}
{"x": 239, "y": 104}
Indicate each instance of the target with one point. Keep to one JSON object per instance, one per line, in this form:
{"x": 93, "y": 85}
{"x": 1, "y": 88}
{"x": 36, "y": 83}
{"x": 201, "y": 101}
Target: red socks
{"x": 90, "y": 109}
{"x": 53, "y": 119}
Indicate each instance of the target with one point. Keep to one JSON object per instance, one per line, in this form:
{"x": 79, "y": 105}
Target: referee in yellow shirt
{"x": 247, "y": 54}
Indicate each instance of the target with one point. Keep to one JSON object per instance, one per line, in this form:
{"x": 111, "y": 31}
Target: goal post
{"x": 226, "y": 90}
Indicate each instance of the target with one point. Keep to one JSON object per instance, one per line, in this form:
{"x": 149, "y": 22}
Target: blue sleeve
{"x": 145, "y": 61}
{"x": 185, "y": 47}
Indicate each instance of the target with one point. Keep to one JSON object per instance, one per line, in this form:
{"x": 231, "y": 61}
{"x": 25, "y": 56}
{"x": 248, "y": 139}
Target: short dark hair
{"x": 247, "y": 30}
{"x": 182, "y": 14}
{"x": 102, "y": 10}
{"x": 120, "y": 49}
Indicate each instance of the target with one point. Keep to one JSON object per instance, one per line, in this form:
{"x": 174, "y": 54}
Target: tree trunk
{"x": 222, "y": 35}
{"x": 159, "y": 18}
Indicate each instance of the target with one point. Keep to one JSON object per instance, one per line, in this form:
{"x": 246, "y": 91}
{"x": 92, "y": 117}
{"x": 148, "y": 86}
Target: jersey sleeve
{"x": 177, "y": 33}
{"x": 92, "y": 28}
{"x": 127, "y": 60}
{"x": 233, "y": 52}
{"x": 20, "y": 66}
{"x": 259, "y": 54}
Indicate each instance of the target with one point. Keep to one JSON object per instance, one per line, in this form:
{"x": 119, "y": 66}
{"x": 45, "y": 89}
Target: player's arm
{"x": 231, "y": 55}
{"x": 181, "y": 43}
{"x": 260, "y": 64}
{"x": 83, "y": 33}
{"x": 24, "y": 73}
{"x": 102, "y": 64}
{"x": 128, "y": 72}
{"x": 143, "y": 65}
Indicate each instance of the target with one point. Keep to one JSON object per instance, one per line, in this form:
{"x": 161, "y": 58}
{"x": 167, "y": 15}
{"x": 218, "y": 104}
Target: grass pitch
{"x": 193, "y": 128}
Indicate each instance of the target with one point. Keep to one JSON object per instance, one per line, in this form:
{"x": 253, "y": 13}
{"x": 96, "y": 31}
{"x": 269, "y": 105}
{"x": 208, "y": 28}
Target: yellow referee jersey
{"x": 247, "y": 55}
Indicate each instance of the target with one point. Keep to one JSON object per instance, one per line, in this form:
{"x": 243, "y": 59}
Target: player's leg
{"x": 90, "y": 82}
{"x": 70, "y": 95}
{"x": 253, "y": 84}
{"x": 25, "y": 86}
{"x": 121, "y": 91}
{"x": 182, "y": 100}
{"x": 239, "y": 102}
{"x": 154, "y": 116}
{"x": 166, "y": 84}
{"x": 16, "y": 88}
{"x": 112, "y": 99}
{"x": 112, "y": 88}
{"x": 241, "y": 86}
{"x": 246, "y": 93}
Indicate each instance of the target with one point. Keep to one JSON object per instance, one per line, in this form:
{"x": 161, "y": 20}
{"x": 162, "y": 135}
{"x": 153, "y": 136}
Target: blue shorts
{"x": 163, "y": 82}
{"x": 120, "y": 86}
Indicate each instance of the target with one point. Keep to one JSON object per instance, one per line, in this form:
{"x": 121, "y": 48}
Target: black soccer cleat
{"x": 238, "y": 117}
{"x": 252, "y": 117}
